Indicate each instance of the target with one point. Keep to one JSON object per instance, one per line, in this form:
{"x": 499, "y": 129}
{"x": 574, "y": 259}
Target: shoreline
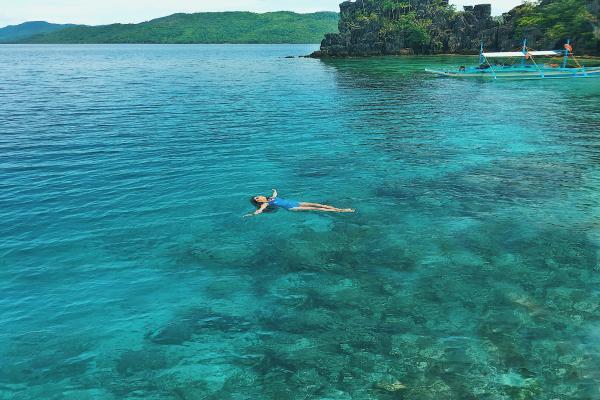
{"x": 314, "y": 55}
{"x": 321, "y": 57}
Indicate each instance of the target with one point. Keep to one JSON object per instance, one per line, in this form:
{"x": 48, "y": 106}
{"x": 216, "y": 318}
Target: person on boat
{"x": 263, "y": 203}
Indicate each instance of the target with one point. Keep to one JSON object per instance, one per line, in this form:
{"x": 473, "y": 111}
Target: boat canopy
{"x": 546, "y": 53}
{"x": 504, "y": 54}
{"x": 521, "y": 54}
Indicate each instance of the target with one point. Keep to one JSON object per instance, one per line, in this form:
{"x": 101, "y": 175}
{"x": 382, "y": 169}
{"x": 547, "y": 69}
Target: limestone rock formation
{"x": 398, "y": 27}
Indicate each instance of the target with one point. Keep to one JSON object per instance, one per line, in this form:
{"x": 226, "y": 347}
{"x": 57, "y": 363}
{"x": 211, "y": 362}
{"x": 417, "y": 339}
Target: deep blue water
{"x": 470, "y": 270}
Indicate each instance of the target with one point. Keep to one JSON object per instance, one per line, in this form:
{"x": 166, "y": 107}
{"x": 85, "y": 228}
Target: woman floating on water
{"x": 263, "y": 202}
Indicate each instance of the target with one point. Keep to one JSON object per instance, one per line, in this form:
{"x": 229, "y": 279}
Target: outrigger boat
{"x": 527, "y": 68}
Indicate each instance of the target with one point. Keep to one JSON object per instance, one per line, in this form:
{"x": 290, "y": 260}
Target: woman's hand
{"x": 259, "y": 211}
{"x": 262, "y": 208}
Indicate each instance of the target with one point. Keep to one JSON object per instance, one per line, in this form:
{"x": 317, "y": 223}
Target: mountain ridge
{"x": 27, "y": 29}
{"x": 207, "y": 27}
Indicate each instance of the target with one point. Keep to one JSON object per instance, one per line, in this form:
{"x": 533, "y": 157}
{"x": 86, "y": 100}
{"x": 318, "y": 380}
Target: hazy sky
{"x": 95, "y": 12}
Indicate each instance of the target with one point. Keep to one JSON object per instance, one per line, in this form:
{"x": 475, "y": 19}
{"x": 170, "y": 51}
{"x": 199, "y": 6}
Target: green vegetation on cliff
{"x": 223, "y": 27}
{"x": 378, "y": 27}
{"x": 414, "y": 30}
{"x": 558, "y": 20}
{"x": 411, "y": 20}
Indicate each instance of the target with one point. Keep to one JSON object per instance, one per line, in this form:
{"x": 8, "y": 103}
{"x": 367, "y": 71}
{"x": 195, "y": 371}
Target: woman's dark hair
{"x": 257, "y": 205}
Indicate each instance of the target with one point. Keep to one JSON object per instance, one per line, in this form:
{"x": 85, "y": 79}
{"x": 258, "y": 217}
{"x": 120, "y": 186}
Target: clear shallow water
{"x": 470, "y": 271}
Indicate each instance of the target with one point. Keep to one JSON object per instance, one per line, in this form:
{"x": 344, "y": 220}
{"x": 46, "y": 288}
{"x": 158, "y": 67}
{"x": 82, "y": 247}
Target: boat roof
{"x": 521, "y": 54}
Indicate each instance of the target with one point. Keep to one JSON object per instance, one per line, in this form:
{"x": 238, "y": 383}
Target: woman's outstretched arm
{"x": 262, "y": 208}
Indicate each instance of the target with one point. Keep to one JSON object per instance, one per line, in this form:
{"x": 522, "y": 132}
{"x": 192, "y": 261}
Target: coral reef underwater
{"x": 470, "y": 270}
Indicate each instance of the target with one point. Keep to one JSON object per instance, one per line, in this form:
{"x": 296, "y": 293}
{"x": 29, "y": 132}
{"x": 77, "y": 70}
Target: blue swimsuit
{"x": 283, "y": 203}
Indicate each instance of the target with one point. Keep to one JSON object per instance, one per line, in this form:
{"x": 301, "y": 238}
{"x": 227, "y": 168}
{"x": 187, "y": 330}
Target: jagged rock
{"x": 373, "y": 28}
{"x": 362, "y": 32}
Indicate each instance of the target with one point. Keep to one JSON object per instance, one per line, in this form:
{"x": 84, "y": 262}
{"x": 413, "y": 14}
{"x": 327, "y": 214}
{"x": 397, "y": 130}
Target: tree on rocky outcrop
{"x": 552, "y": 22}
{"x": 380, "y": 27}
{"x": 393, "y": 9}
{"x": 412, "y": 32}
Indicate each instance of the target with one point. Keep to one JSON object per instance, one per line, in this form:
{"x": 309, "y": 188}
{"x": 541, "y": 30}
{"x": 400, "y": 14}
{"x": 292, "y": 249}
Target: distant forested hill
{"x": 18, "y": 32}
{"x": 222, "y": 27}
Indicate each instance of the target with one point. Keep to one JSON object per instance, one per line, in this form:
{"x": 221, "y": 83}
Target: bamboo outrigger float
{"x": 527, "y": 68}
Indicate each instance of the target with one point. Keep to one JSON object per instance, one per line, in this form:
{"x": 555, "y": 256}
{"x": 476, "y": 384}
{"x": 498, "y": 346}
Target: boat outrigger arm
{"x": 523, "y": 70}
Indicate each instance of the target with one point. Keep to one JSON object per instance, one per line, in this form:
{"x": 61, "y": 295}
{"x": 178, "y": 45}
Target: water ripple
{"x": 126, "y": 270}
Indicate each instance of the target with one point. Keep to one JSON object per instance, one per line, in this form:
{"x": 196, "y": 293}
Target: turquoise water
{"x": 470, "y": 270}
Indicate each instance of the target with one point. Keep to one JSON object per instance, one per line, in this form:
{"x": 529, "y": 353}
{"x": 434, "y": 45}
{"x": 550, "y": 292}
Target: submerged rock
{"x": 172, "y": 334}
{"x": 134, "y": 361}
{"x": 196, "y": 321}
{"x": 390, "y": 386}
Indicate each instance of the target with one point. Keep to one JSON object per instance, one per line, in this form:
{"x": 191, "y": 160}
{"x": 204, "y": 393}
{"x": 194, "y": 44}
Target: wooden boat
{"x": 522, "y": 65}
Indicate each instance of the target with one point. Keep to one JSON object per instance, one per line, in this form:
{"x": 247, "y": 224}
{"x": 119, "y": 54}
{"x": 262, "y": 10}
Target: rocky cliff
{"x": 396, "y": 27}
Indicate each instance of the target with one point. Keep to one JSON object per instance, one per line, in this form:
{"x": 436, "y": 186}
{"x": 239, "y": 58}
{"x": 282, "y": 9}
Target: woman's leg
{"x": 304, "y": 204}
{"x": 333, "y": 209}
